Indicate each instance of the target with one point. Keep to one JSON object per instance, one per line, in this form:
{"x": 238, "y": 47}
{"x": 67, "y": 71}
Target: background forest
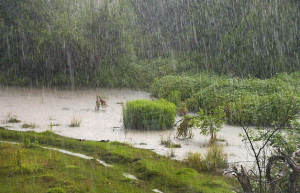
{"x": 131, "y": 42}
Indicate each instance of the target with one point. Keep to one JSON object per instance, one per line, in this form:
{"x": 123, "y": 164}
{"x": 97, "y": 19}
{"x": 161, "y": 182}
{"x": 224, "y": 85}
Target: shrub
{"x": 196, "y": 161}
{"x": 169, "y": 143}
{"x": 252, "y": 101}
{"x": 185, "y": 85}
{"x": 31, "y": 125}
{"x": 214, "y": 161}
{"x": 149, "y": 115}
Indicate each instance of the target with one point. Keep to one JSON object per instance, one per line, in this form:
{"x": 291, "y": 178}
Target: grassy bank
{"x": 26, "y": 167}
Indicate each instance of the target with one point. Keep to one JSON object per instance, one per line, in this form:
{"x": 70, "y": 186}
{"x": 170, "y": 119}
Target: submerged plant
{"x": 75, "y": 122}
{"x": 169, "y": 143}
{"x": 11, "y": 119}
{"x": 184, "y": 130}
{"x": 30, "y": 125}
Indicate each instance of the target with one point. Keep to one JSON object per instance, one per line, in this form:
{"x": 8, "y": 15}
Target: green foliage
{"x": 28, "y": 144}
{"x": 216, "y": 158}
{"x": 174, "y": 97}
{"x": 135, "y": 74}
{"x": 169, "y": 143}
{"x": 262, "y": 39}
{"x": 251, "y": 101}
{"x": 46, "y": 169}
{"x": 149, "y": 115}
{"x": 31, "y": 125}
{"x": 186, "y": 86}
{"x": 210, "y": 122}
{"x": 214, "y": 161}
{"x": 287, "y": 139}
{"x": 116, "y": 43}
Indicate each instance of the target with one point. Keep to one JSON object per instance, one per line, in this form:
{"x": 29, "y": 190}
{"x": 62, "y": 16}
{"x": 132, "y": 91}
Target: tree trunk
{"x": 290, "y": 163}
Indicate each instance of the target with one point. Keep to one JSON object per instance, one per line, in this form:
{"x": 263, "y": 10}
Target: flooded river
{"x": 43, "y": 107}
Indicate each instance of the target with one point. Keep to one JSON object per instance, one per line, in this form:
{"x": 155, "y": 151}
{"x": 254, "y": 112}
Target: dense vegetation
{"x": 131, "y": 42}
{"x": 252, "y": 101}
{"x": 27, "y": 167}
{"x": 149, "y": 115}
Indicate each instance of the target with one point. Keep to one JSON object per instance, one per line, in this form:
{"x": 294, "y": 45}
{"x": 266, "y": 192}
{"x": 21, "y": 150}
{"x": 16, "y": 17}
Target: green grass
{"x": 25, "y": 168}
{"x": 40, "y": 170}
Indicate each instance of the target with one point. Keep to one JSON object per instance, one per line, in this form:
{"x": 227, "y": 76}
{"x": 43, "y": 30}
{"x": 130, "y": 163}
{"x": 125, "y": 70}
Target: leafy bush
{"x": 264, "y": 110}
{"x": 149, "y": 115}
{"x": 251, "y": 101}
{"x": 216, "y": 159}
{"x": 185, "y": 85}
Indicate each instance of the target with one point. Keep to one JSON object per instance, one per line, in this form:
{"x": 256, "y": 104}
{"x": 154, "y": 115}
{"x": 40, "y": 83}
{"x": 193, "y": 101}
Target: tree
{"x": 264, "y": 42}
{"x": 209, "y": 123}
{"x": 269, "y": 139}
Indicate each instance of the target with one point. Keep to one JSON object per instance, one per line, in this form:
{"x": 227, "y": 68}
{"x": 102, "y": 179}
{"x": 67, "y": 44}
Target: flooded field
{"x": 45, "y": 107}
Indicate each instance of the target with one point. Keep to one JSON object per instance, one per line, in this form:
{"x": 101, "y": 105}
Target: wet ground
{"x": 45, "y": 107}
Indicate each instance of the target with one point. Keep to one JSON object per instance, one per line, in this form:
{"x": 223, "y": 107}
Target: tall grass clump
{"x": 149, "y": 115}
{"x": 214, "y": 161}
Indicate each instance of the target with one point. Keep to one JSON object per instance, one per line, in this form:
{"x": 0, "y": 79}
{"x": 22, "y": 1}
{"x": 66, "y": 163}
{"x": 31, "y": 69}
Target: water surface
{"x": 45, "y": 106}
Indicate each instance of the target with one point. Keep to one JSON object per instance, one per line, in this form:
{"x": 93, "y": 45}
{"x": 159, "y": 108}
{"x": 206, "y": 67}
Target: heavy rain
{"x": 149, "y": 96}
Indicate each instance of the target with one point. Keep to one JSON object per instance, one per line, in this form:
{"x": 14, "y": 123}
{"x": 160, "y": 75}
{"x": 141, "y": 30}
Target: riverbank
{"x": 153, "y": 172}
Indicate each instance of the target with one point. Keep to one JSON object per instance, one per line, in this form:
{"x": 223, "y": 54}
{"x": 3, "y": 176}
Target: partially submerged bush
{"x": 169, "y": 143}
{"x": 13, "y": 120}
{"x": 149, "y": 115}
{"x": 30, "y": 126}
{"x": 75, "y": 122}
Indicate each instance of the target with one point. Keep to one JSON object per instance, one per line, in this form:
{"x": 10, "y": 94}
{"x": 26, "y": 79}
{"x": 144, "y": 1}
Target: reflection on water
{"x": 45, "y": 107}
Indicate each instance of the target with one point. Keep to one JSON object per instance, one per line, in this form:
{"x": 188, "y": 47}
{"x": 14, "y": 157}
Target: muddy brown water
{"x": 45, "y": 106}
